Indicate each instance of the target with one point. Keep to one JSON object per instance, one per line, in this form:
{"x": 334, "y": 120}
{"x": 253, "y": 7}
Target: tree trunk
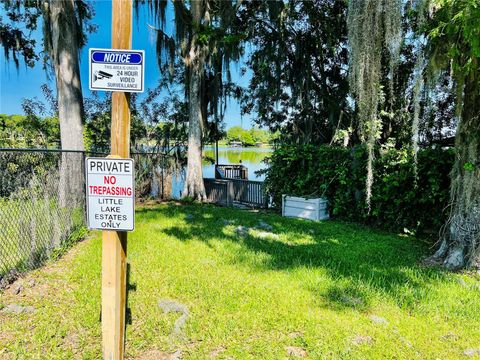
{"x": 64, "y": 54}
{"x": 194, "y": 186}
{"x": 460, "y": 246}
{"x": 167, "y": 190}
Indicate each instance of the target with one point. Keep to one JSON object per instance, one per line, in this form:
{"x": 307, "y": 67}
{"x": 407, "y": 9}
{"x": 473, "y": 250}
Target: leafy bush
{"x": 19, "y": 167}
{"x": 403, "y": 200}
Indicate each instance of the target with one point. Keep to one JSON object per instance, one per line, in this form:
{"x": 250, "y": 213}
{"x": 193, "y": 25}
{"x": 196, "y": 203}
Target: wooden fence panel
{"x": 219, "y": 191}
{"x": 250, "y": 193}
{"x": 226, "y": 192}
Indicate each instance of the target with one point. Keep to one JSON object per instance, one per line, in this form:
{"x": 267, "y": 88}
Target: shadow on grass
{"x": 361, "y": 262}
{"x": 130, "y": 287}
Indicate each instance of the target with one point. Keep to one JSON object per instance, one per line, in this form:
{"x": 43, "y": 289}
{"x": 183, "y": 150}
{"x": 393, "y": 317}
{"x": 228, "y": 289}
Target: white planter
{"x": 298, "y": 207}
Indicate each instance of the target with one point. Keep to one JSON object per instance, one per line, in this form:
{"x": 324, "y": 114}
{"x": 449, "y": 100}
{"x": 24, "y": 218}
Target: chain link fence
{"x": 42, "y": 200}
{"x": 39, "y": 207}
{"x": 157, "y": 176}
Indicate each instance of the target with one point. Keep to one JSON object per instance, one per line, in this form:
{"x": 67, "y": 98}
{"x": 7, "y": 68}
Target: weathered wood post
{"x": 230, "y": 192}
{"x": 114, "y": 243}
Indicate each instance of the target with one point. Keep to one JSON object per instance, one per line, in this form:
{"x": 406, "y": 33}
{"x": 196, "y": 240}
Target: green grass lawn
{"x": 312, "y": 290}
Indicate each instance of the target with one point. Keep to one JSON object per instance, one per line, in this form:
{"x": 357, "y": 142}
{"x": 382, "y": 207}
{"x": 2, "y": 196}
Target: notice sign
{"x": 116, "y": 70}
{"x": 110, "y": 194}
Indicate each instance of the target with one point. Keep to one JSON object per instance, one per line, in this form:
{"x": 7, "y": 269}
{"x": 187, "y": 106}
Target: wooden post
{"x": 114, "y": 243}
{"x": 230, "y": 193}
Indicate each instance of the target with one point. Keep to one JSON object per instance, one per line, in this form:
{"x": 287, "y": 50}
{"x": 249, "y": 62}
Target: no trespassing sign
{"x": 110, "y": 190}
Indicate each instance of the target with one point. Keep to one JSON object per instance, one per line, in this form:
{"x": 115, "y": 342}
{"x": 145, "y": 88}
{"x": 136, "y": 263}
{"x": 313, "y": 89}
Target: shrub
{"x": 402, "y": 200}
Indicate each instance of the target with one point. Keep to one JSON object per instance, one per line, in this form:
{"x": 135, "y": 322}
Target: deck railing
{"x": 231, "y": 171}
{"x": 219, "y": 191}
{"x": 228, "y": 192}
{"x": 250, "y": 193}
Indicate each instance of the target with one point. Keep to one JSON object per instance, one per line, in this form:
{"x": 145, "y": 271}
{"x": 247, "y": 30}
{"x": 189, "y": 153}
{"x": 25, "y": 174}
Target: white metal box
{"x": 313, "y": 209}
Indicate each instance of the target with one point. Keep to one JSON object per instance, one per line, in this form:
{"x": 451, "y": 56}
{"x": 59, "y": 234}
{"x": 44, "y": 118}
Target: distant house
{"x": 236, "y": 144}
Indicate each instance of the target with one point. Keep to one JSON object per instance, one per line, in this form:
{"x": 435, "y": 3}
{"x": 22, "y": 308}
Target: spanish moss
{"x": 372, "y": 26}
{"x": 417, "y": 91}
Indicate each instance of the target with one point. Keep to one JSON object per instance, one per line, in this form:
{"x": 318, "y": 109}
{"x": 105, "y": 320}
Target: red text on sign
{"x": 110, "y": 180}
{"x": 110, "y": 190}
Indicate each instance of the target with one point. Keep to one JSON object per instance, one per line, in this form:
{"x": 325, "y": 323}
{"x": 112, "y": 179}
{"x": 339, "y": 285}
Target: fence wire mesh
{"x": 39, "y": 205}
{"x": 42, "y": 200}
{"x": 156, "y": 175}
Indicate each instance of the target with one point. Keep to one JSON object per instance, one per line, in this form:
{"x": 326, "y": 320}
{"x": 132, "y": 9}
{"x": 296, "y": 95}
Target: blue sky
{"x": 26, "y": 82}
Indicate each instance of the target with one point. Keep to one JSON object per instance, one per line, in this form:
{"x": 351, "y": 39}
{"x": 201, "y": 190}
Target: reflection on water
{"x": 252, "y": 158}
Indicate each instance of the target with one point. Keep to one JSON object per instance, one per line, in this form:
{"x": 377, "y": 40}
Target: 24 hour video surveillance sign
{"x": 117, "y": 70}
{"x": 110, "y": 194}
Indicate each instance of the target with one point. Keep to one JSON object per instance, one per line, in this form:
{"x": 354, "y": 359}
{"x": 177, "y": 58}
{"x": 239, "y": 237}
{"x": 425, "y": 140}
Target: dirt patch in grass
{"x": 159, "y": 355}
{"x": 362, "y": 340}
{"x": 217, "y": 351}
{"x": 296, "y": 351}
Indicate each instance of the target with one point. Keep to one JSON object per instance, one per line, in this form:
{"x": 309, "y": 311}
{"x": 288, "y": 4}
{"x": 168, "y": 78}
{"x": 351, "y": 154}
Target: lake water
{"x": 252, "y": 158}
